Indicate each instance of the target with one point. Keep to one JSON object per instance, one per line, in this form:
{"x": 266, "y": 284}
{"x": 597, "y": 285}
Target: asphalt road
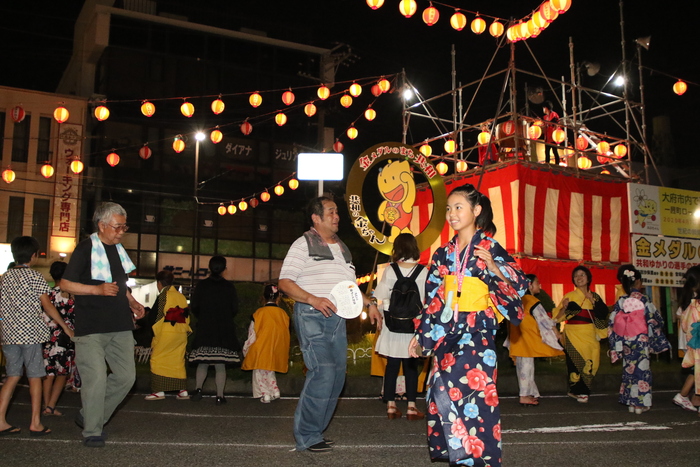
{"x": 244, "y": 432}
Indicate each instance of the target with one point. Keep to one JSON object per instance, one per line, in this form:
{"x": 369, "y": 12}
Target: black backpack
{"x": 404, "y": 303}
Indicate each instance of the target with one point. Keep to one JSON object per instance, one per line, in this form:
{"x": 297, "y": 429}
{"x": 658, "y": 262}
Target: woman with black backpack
{"x": 401, "y": 292}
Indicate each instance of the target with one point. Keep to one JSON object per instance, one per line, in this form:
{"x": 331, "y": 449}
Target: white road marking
{"x": 606, "y": 427}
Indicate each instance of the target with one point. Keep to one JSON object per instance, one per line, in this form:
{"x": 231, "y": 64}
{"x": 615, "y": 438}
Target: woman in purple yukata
{"x": 472, "y": 284}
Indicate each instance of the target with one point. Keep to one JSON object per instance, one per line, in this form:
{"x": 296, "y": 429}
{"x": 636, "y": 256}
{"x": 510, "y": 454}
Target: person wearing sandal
{"x": 394, "y": 344}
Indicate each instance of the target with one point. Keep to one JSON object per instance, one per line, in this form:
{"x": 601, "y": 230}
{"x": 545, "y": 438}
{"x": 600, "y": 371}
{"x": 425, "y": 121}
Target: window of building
{"x": 15, "y": 218}
{"x": 43, "y": 150}
{"x": 20, "y": 140}
{"x": 40, "y": 224}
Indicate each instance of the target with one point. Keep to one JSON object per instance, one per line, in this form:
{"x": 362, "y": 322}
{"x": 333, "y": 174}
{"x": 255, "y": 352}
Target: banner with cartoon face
{"x": 664, "y": 211}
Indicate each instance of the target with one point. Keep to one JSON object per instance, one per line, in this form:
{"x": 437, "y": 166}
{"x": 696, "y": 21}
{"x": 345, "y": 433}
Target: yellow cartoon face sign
{"x": 395, "y": 183}
{"x": 646, "y": 208}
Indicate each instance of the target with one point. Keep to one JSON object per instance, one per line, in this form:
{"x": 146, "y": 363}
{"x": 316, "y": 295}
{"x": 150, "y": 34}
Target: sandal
{"x": 393, "y": 412}
{"x": 48, "y": 410}
{"x": 530, "y": 401}
{"x": 413, "y": 414}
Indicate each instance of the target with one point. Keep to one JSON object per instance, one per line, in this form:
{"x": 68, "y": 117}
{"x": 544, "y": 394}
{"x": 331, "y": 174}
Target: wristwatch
{"x": 372, "y": 301}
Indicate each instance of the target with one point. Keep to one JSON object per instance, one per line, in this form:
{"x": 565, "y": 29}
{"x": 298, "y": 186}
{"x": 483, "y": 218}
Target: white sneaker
{"x": 631, "y": 408}
{"x": 265, "y": 399}
{"x": 684, "y": 402}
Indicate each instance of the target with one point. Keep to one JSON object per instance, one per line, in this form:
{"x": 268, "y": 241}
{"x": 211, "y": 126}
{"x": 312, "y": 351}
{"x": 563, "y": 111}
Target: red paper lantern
{"x": 338, "y": 146}
{"x": 148, "y": 109}
{"x": 375, "y": 90}
{"x": 355, "y": 89}
{"x": 279, "y": 190}
{"x": 246, "y": 128}
{"x": 352, "y": 132}
{"x": 293, "y": 183}
{"x": 76, "y": 166}
{"x": 310, "y": 110}
{"x": 187, "y": 109}
{"x": 47, "y": 170}
{"x": 265, "y": 196}
{"x": 216, "y": 136}
{"x": 603, "y": 159}
{"x": 370, "y": 114}
{"x": 508, "y": 128}
{"x": 17, "y": 113}
{"x": 280, "y": 119}
{"x": 61, "y": 114}
{"x": 581, "y": 143}
{"x": 407, "y": 7}
{"x": 288, "y": 97}
{"x": 254, "y": 202}
{"x": 323, "y": 92}
{"x": 458, "y": 21}
{"x": 145, "y": 152}
{"x": 346, "y": 101}
{"x": 113, "y": 159}
{"x": 217, "y": 106}
{"x": 431, "y": 15}
{"x": 8, "y": 175}
{"x": 255, "y": 99}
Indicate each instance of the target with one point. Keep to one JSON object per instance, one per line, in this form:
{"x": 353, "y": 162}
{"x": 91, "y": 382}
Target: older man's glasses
{"x": 119, "y": 227}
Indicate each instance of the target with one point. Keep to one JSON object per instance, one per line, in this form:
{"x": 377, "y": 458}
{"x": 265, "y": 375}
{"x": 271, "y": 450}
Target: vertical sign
{"x": 67, "y": 187}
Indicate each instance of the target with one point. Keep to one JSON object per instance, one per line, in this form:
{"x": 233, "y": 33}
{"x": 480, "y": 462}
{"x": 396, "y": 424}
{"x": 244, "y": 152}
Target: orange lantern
{"x": 450, "y": 146}
{"x": 323, "y": 92}
{"x": 101, "y": 113}
{"x": 47, "y": 170}
{"x": 478, "y": 25}
{"x": 76, "y": 166}
{"x": 603, "y": 159}
{"x": 255, "y": 99}
{"x": 217, "y": 106}
{"x": 441, "y": 168}
{"x": 461, "y": 166}
{"x": 407, "y": 7}
{"x": 145, "y": 152}
{"x": 680, "y": 87}
{"x": 280, "y": 119}
{"x": 496, "y": 29}
{"x": 512, "y": 34}
{"x": 605, "y": 172}
{"x": 8, "y": 175}
{"x": 370, "y": 114}
{"x": 484, "y": 137}
{"x": 254, "y": 202}
{"x": 374, "y": 4}
{"x": 603, "y": 148}
{"x": 532, "y": 28}
{"x": 538, "y": 122}
{"x": 375, "y": 90}
{"x": 310, "y": 110}
{"x": 547, "y": 12}
{"x": 293, "y": 183}
{"x": 265, "y": 196}
{"x": 242, "y": 205}
{"x": 426, "y": 150}
{"x": 346, "y": 101}
{"x": 246, "y": 128}
{"x": 558, "y": 135}
{"x": 279, "y": 190}
{"x": 288, "y": 97}
{"x": 355, "y": 89}
{"x": 384, "y": 85}
{"x": 231, "y": 209}
{"x": 61, "y": 114}
{"x": 458, "y": 21}
{"x": 338, "y": 146}
{"x": 221, "y": 210}
{"x": 216, "y": 136}
{"x": 148, "y": 108}
{"x": 431, "y": 15}
{"x": 620, "y": 151}
{"x": 539, "y": 21}
{"x": 534, "y": 132}
{"x": 178, "y": 144}
{"x": 352, "y": 132}
{"x": 584, "y": 163}
{"x": 581, "y": 143}
{"x": 560, "y": 6}
{"x": 524, "y": 31}
{"x": 113, "y": 159}
{"x": 187, "y": 109}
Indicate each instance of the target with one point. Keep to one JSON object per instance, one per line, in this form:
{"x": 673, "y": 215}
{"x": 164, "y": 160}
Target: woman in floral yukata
{"x": 472, "y": 284}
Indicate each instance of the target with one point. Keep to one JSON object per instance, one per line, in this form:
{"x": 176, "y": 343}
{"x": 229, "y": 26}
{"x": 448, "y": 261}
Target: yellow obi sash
{"x": 474, "y": 297}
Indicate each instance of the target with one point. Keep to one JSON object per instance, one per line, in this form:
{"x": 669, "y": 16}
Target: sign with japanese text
{"x": 664, "y": 211}
{"x": 67, "y": 184}
{"x": 663, "y": 260}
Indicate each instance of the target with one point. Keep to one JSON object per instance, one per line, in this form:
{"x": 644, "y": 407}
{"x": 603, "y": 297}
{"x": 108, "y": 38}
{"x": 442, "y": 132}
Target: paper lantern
{"x": 255, "y": 99}
{"x": 461, "y": 166}
{"x": 323, "y": 92}
{"x": 231, "y": 209}
{"x": 680, "y": 87}
{"x": 280, "y": 119}
{"x": 605, "y": 172}
{"x": 426, "y": 150}
{"x": 254, "y": 202}
{"x": 338, "y": 146}
{"x": 441, "y": 168}
{"x": 603, "y": 148}
{"x": 620, "y": 151}
{"x": 355, "y": 89}
{"x": 478, "y": 25}
{"x": 496, "y": 29}
{"x": 346, "y": 101}
{"x": 547, "y": 12}
{"x": 187, "y": 109}
{"x": 101, "y": 113}
{"x": 532, "y": 29}
{"x": 61, "y": 114}
{"x": 508, "y": 128}
{"x": 370, "y": 114}
{"x": 217, "y": 106}
{"x": 288, "y": 97}
{"x": 148, "y": 109}
{"x": 246, "y": 128}
{"x": 265, "y": 196}
{"x": 221, "y": 210}
{"x": 458, "y": 21}
{"x": 293, "y": 183}
{"x": 431, "y": 15}
{"x": 384, "y": 85}
{"x": 375, "y": 90}
{"x": 534, "y": 132}
{"x": 145, "y": 152}
{"x": 603, "y": 159}
{"x": 560, "y": 6}
{"x": 512, "y": 34}
{"x": 8, "y": 175}
{"x": 558, "y": 135}
{"x": 310, "y": 110}
{"x": 279, "y": 190}
{"x": 113, "y": 159}
{"x": 539, "y": 21}
{"x": 450, "y": 146}
{"x": 47, "y": 170}
{"x": 178, "y": 144}
{"x": 216, "y": 136}
{"x": 484, "y": 137}
{"x": 584, "y": 163}
{"x": 374, "y": 4}
{"x": 581, "y": 143}
{"x": 76, "y": 166}
{"x": 407, "y": 7}
{"x": 242, "y": 205}
{"x": 17, "y": 113}
{"x": 352, "y": 132}
{"x": 524, "y": 31}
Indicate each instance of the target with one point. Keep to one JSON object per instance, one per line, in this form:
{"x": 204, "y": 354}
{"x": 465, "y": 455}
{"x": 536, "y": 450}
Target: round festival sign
{"x": 394, "y": 165}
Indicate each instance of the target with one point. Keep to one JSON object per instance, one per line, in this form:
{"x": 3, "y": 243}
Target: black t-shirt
{"x": 97, "y": 314}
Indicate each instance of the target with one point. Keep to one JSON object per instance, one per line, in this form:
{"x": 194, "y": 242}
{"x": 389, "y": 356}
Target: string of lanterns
{"x": 255, "y": 199}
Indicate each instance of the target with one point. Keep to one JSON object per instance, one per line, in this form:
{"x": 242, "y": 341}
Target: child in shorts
{"x": 23, "y": 293}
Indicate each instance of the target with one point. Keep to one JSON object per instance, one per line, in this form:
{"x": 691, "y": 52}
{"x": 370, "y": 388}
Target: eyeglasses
{"x": 119, "y": 227}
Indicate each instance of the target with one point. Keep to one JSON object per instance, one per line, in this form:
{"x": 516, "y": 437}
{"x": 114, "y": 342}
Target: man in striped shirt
{"x": 315, "y": 263}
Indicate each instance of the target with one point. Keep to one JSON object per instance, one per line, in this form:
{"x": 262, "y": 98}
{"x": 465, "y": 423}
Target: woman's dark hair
{"x": 548, "y": 105}
{"x": 405, "y": 247}
{"x": 270, "y": 293}
{"x": 217, "y": 264}
{"x": 585, "y": 270}
{"x": 628, "y": 275}
{"x": 23, "y": 248}
{"x": 484, "y": 220}
{"x": 57, "y": 269}
{"x": 531, "y": 278}
{"x": 315, "y": 206}
{"x": 691, "y": 286}
{"x": 165, "y": 277}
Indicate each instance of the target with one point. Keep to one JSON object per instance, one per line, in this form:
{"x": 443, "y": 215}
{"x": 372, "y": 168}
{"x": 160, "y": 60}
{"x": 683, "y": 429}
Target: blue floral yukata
{"x": 463, "y": 418}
